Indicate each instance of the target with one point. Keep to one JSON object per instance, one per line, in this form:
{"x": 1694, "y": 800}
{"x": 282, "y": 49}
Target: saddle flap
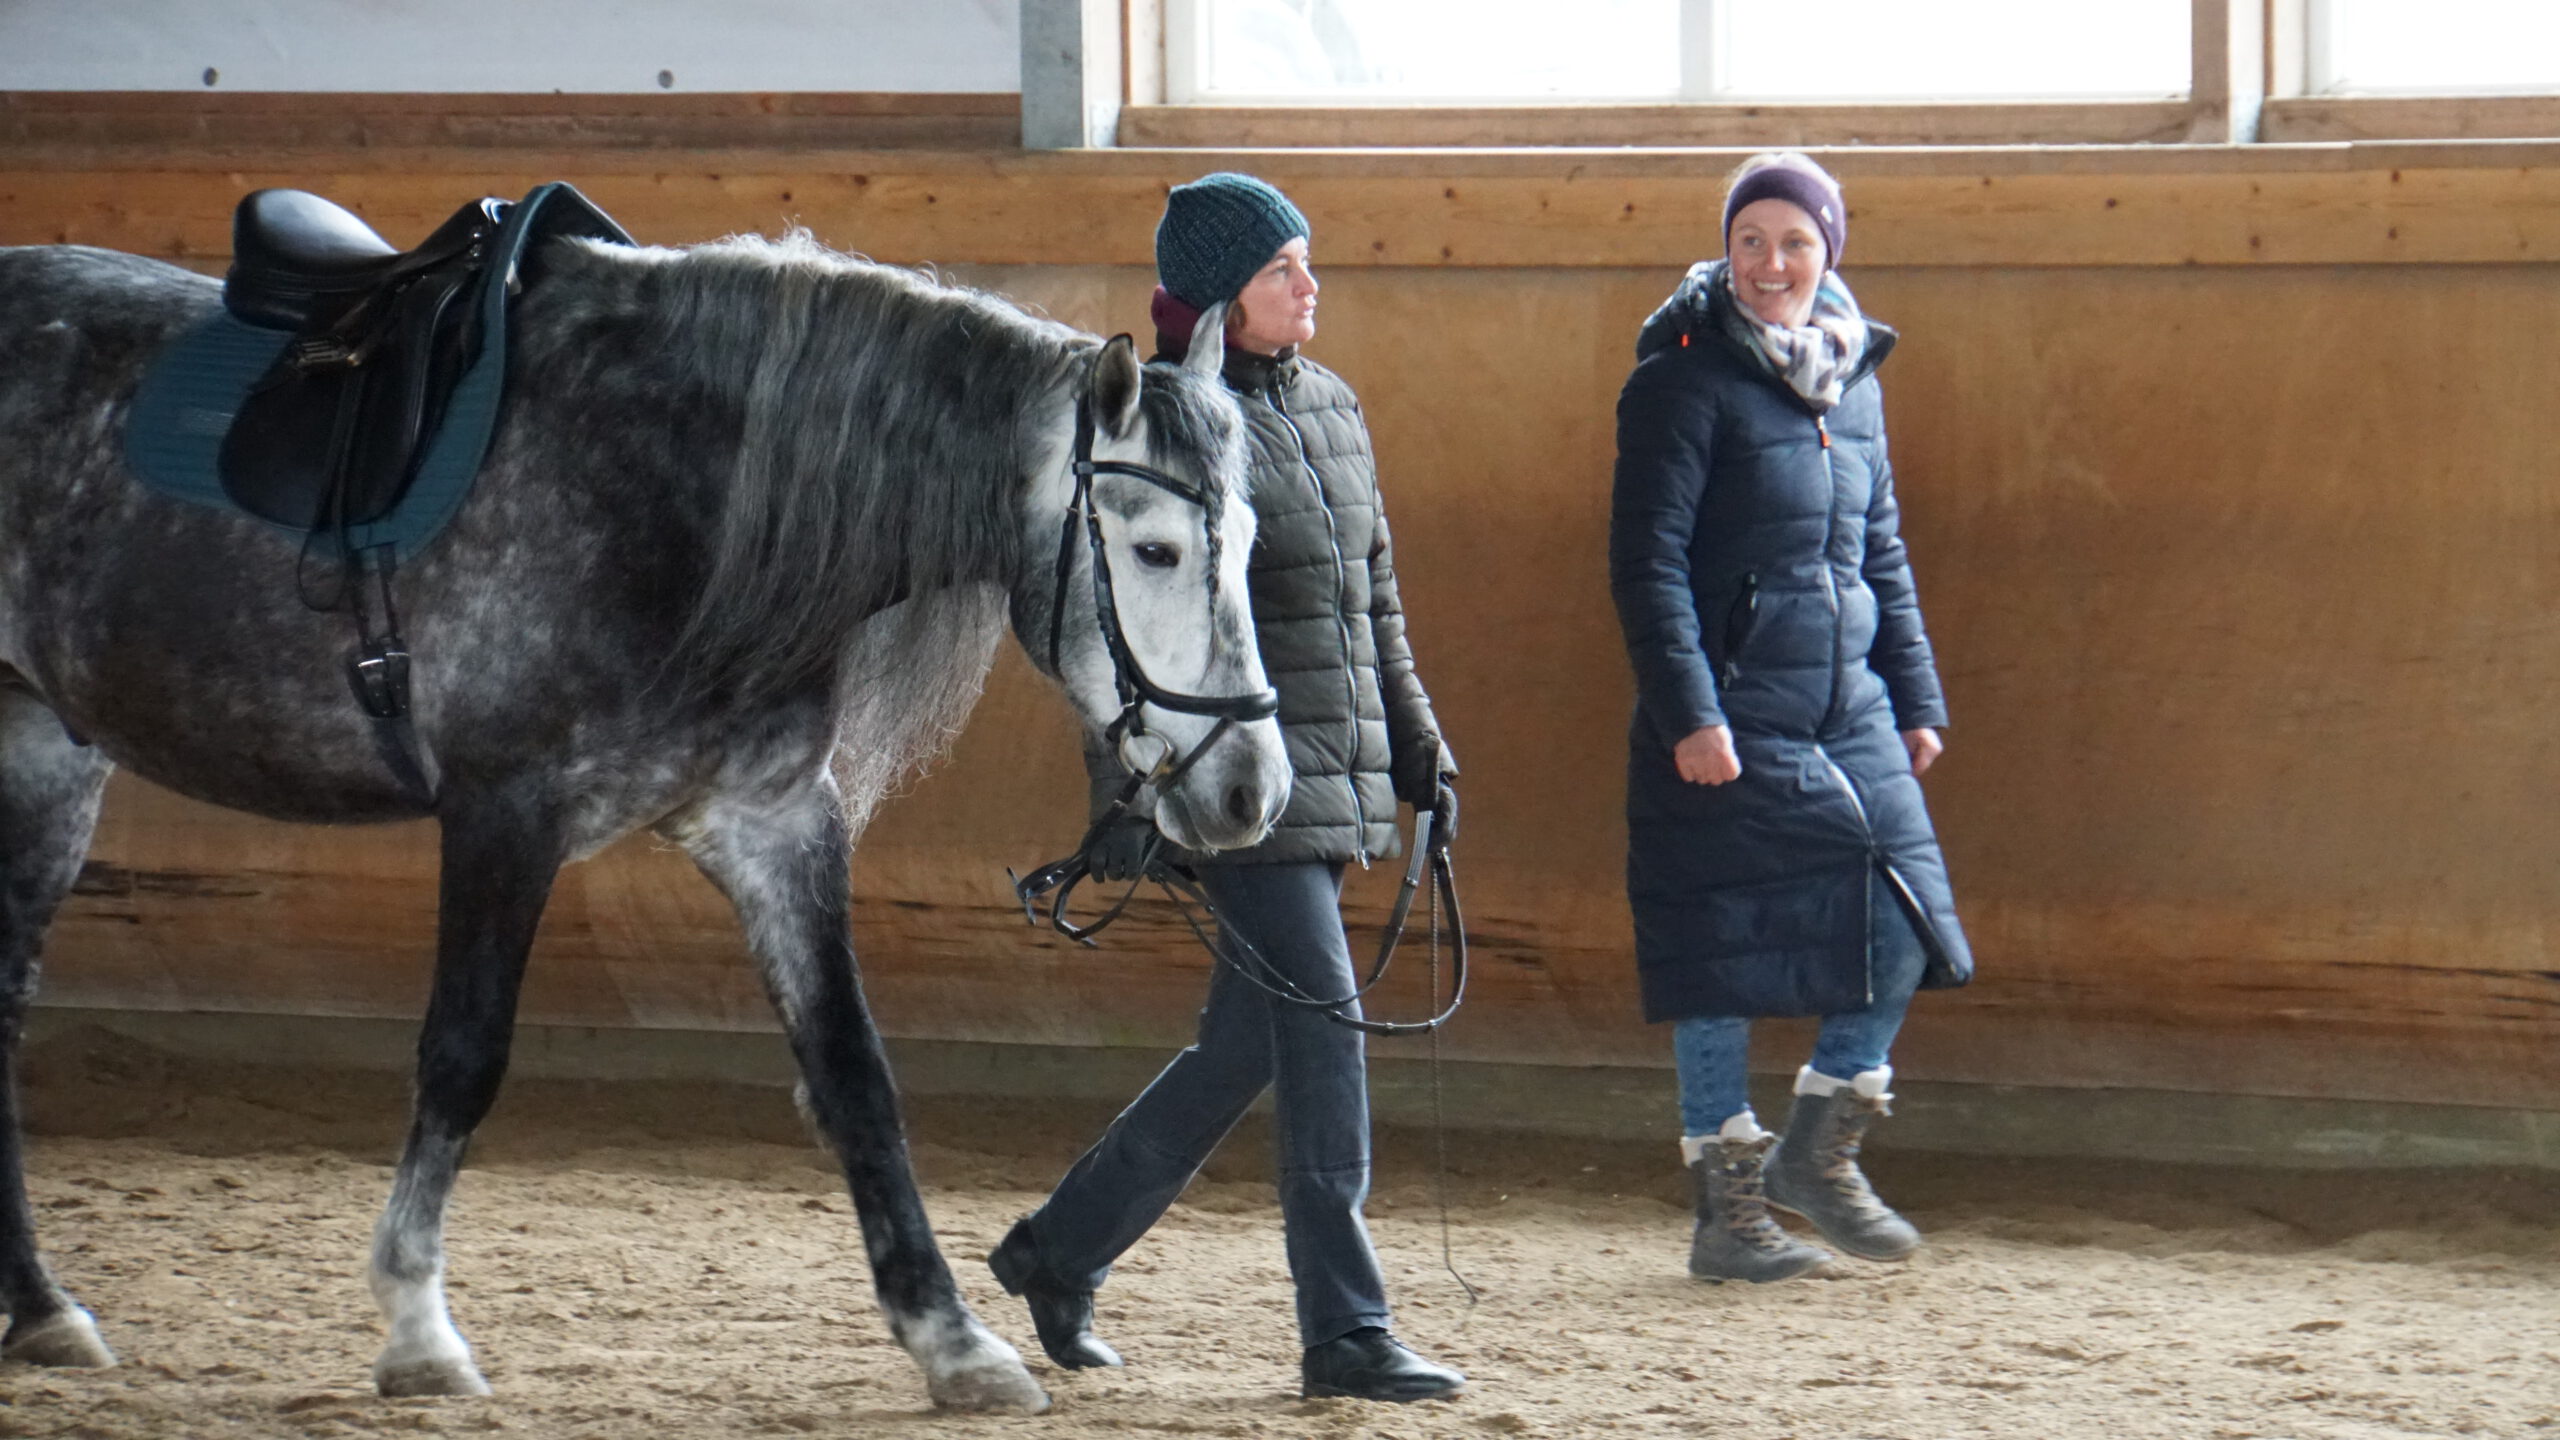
{"x": 317, "y": 446}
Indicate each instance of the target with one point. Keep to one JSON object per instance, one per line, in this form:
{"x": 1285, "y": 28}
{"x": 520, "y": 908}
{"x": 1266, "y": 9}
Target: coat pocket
{"x": 1740, "y": 618}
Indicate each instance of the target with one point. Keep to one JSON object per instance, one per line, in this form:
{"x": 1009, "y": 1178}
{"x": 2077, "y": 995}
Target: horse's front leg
{"x": 501, "y": 852}
{"x": 782, "y": 861}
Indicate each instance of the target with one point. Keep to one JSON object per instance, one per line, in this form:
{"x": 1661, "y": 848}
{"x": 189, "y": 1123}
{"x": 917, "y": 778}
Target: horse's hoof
{"x": 989, "y": 1381}
{"x": 990, "y": 1390}
{"x": 67, "y": 1339}
{"x": 427, "y": 1377}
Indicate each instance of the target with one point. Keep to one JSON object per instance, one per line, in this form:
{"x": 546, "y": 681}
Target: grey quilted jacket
{"x": 1359, "y": 728}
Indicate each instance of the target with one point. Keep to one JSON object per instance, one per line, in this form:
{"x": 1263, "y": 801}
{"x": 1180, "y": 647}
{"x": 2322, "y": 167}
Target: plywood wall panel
{"x": 2244, "y": 585}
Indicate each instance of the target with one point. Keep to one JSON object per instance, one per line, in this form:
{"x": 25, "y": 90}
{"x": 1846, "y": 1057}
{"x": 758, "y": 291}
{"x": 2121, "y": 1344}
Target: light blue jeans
{"x": 1712, "y": 1051}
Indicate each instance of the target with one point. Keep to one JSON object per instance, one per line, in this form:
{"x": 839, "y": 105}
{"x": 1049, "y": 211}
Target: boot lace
{"x": 1746, "y": 1207}
{"x": 1839, "y": 1152}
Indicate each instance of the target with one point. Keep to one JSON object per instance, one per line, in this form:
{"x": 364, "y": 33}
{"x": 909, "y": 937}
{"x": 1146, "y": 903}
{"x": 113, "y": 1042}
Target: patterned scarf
{"x": 1816, "y": 358}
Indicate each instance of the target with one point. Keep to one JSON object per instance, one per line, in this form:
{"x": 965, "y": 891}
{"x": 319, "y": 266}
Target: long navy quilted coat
{"x": 1759, "y": 575}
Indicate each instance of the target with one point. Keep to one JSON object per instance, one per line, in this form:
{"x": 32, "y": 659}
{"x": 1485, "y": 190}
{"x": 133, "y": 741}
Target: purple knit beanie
{"x": 1816, "y": 195}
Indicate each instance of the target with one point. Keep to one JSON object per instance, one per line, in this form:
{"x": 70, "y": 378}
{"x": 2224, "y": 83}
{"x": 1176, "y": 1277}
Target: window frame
{"x": 1704, "y": 40}
{"x": 2249, "y": 83}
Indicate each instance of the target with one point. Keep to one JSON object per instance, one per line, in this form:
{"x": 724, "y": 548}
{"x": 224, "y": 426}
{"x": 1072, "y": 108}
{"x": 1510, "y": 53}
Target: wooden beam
{"x": 2313, "y": 118}
{"x": 2490, "y": 204}
{"x": 1071, "y": 76}
{"x": 1752, "y": 126}
{"x": 107, "y": 122}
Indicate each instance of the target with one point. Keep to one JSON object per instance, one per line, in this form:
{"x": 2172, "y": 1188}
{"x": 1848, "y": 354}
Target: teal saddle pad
{"x": 188, "y": 399}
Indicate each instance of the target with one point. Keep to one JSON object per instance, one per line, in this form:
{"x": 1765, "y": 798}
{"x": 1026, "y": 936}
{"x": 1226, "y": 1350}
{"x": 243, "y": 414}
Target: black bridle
{"x": 1059, "y": 879}
{"x": 1129, "y": 678}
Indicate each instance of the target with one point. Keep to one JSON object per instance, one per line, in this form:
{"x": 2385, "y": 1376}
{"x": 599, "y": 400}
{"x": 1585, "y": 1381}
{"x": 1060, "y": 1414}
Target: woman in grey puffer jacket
{"x": 1361, "y": 737}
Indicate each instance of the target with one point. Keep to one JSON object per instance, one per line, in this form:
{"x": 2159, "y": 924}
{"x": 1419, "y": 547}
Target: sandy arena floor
{"x": 662, "y": 1262}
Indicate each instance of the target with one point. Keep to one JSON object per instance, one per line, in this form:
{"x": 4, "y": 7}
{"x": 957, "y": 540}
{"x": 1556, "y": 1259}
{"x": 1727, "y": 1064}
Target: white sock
{"x": 1741, "y": 1126}
{"x": 1870, "y": 1083}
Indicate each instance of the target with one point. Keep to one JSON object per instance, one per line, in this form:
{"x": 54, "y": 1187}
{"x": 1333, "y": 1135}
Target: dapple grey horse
{"x": 738, "y": 559}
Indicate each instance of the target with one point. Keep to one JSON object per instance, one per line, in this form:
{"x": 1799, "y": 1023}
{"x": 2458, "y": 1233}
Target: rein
{"x": 1427, "y": 867}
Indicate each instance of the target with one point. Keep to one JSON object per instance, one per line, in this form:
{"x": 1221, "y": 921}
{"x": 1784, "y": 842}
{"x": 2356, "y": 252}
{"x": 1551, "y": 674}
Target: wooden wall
{"x": 2229, "y": 488}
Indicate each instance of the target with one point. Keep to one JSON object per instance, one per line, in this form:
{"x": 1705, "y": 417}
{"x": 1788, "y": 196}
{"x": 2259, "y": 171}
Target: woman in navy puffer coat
{"x": 1781, "y": 859}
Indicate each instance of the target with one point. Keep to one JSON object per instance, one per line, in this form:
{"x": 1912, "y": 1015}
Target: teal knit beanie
{"x": 1217, "y": 231}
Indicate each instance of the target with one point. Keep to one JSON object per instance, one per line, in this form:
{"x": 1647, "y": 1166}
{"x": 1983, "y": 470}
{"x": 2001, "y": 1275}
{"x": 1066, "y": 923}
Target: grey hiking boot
{"x": 1814, "y": 1172}
{"x": 1735, "y": 1238}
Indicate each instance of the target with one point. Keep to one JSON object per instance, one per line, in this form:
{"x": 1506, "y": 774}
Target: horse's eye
{"x": 1159, "y": 555}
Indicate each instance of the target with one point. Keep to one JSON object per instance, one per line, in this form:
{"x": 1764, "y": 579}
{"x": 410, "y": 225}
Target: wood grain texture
{"x": 2242, "y": 581}
{"x": 2415, "y": 117}
{"x": 2480, "y": 203}
{"x": 105, "y": 124}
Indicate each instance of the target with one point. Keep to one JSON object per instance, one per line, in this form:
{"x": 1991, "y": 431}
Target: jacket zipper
{"x": 1342, "y": 621}
{"x": 1867, "y": 872}
{"x": 1830, "y": 579}
{"x": 1739, "y": 621}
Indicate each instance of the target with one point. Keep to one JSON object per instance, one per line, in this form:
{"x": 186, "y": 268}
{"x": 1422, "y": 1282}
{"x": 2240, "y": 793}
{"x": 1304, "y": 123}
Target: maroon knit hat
{"x": 1816, "y": 195}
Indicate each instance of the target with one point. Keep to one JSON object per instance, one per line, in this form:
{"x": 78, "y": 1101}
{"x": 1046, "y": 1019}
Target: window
{"x": 1455, "y": 51}
{"x": 2443, "y": 47}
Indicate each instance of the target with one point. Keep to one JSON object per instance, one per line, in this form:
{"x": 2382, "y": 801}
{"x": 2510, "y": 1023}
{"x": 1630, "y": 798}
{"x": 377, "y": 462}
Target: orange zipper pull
{"x": 1823, "y": 430}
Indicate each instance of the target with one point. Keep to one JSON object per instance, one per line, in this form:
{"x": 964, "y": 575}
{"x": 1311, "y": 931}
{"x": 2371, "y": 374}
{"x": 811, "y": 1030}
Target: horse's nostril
{"x": 1242, "y": 807}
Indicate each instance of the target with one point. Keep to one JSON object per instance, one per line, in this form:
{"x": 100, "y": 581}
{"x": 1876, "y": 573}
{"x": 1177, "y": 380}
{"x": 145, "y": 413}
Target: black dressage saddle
{"x": 349, "y": 392}
{"x": 332, "y": 434}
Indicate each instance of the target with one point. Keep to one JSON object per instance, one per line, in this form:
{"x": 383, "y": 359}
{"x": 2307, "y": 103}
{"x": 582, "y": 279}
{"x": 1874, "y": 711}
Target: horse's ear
{"x": 1208, "y": 353}
{"x": 1115, "y": 386}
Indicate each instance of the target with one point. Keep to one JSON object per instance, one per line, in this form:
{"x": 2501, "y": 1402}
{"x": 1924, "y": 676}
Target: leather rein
{"x": 1427, "y": 862}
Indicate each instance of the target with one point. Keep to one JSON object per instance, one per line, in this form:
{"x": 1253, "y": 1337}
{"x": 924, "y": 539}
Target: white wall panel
{"x": 597, "y": 46}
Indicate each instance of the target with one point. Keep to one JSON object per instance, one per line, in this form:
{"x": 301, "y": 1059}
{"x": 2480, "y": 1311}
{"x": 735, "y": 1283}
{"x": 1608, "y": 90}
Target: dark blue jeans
{"x": 1292, "y": 914}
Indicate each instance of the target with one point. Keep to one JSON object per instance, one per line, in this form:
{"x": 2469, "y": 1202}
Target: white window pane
{"x": 1439, "y": 49}
{"x": 1974, "y": 49}
{"x": 2446, "y": 46}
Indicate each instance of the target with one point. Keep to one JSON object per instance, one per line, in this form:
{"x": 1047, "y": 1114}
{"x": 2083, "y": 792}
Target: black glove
{"x": 1444, "y": 814}
{"x": 1416, "y": 771}
{"x": 1121, "y": 852}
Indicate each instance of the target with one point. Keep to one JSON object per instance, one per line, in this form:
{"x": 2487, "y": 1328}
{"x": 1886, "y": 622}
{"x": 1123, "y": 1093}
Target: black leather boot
{"x": 1371, "y": 1364}
{"x": 1061, "y": 1317}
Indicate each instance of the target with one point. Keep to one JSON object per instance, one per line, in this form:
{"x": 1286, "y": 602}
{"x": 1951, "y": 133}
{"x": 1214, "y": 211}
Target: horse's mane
{"x": 856, "y": 385}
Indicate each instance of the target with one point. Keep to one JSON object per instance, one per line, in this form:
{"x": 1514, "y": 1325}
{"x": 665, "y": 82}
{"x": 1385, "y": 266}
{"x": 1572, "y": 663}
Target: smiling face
{"x": 1277, "y": 307}
{"x": 1778, "y": 259}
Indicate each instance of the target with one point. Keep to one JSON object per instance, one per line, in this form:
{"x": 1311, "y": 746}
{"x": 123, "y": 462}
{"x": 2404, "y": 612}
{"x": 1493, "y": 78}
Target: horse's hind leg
{"x": 48, "y": 804}
{"x": 501, "y": 853}
{"x": 782, "y": 862}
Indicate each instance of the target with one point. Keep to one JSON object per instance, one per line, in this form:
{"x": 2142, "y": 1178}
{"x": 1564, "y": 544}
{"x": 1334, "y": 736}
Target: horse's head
{"x": 1156, "y": 648}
